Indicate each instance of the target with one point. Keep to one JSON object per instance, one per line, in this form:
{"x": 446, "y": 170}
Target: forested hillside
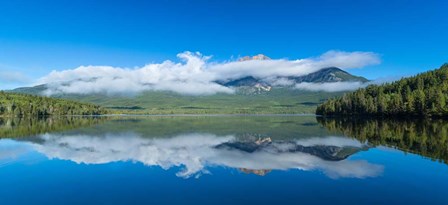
{"x": 423, "y": 95}
{"x": 13, "y": 104}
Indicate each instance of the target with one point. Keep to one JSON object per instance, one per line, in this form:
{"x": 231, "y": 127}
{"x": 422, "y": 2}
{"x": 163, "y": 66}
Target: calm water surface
{"x": 223, "y": 160}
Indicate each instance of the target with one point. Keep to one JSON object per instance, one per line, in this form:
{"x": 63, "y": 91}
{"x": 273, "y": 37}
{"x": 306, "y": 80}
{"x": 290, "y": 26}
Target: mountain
{"x": 325, "y": 75}
{"x": 248, "y": 85}
{"x": 330, "y": 74}
{"x": 253, "y": 95}
{"x": 425, "y": 94}
{"x": 245, "y": 81}
{"x": 259, "y": 85}
{"x": 35, "y": 90}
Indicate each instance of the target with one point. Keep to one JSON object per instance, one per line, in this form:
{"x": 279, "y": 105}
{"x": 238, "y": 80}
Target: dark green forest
{"x": 426, "y": 137}
{"x": 14, "y": 104}
{"x": 425, "y": 94}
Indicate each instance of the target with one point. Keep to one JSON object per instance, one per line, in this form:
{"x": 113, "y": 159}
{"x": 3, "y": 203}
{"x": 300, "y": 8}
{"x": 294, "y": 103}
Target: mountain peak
{"x": 256, "y": 57}
{"x": 332, "y": 69}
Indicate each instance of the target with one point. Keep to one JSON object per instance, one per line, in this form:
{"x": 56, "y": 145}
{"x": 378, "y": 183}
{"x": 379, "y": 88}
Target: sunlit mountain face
{"x": 193, "y": 153}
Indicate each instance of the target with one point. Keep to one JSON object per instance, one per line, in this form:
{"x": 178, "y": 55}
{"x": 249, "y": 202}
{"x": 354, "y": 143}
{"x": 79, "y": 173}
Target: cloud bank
{"x": 331, "y": 87}
{"x": 194, "y": 75}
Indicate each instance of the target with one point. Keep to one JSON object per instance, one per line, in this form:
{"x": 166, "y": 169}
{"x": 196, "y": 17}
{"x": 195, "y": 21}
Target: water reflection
{"x": 193, "y": 153}
{"x": 26, "y": 127}
{"x": 120, "y": 159}
{"x": 426, "y": 137}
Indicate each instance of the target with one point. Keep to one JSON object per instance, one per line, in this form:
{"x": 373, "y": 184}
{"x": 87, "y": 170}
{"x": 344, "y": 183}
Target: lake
{"x": 222, "y": 160}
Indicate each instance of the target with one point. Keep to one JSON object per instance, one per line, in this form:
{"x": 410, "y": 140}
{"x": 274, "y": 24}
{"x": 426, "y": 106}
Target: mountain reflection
{"x": 194, "y": 153}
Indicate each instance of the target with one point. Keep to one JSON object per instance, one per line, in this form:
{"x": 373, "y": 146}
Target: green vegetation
{"x": 14, "y": 104}
{"x": 423, "y": 95}
{"x": 278, "y": 101}
{"x": 426, "y": 137}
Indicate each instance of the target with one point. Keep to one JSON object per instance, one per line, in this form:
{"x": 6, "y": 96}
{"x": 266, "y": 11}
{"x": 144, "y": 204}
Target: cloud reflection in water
{"x": 195, "y": 152}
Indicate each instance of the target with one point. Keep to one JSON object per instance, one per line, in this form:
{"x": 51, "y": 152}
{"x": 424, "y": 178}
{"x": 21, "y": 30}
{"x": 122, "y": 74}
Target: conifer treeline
{"x": 14, "y": 104}
{"x": 423, "y": 95}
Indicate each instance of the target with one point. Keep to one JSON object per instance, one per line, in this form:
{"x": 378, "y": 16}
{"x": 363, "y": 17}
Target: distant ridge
{"x": 325, "y": 75}
{"x": 330, "y": 74}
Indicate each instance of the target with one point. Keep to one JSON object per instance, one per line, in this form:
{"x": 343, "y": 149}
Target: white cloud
{"x": 330, "y": 141}
{"x": 331, "y": 87}
{"x": 342, "y": 86}
{"x": 194, "y": 75}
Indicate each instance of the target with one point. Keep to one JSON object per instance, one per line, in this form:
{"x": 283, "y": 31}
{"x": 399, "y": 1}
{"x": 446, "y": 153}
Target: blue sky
{"x": 37, "y": 37}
